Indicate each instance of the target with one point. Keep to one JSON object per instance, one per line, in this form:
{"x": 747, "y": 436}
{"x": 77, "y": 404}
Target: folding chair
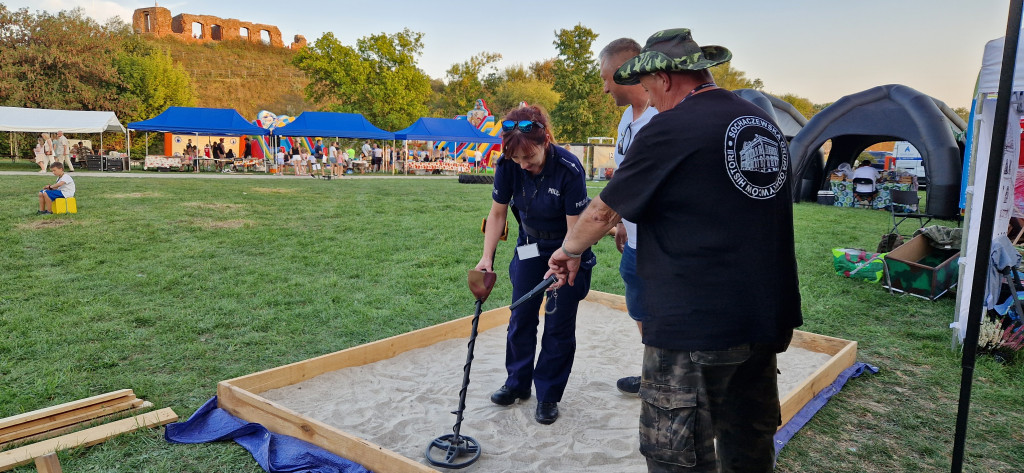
{"x": 865, "y": 196}
{"x": 906, "y": 200}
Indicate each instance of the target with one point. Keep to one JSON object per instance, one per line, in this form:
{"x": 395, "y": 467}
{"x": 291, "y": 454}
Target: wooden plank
{"x": 818, "y": 343}
{"x": 84, "y": 438}
{"x": 48, "y": 411}
{"x": 64, "y": 419}
{"x": 48, "y": 464}
{"x": 387, "y": 348}
{"x": 143, "y": 405}
{"x": 613, "y": 301}
{"x": 368, "y": 353}
{"x": 282, "y": 420}
{"x": 795, "y": 400}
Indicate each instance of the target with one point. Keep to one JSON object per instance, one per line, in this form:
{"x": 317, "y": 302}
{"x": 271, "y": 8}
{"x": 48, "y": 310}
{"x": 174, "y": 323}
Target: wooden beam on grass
{"x": 88, "y": 423}
{"x": 84, "y": 438}
{"x": 48, "y": 411}
{"x": 48, "y": 464}
{"x": 64, "y": 419}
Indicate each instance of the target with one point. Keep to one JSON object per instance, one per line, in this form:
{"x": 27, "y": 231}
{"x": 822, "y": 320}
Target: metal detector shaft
{"x": 465, "y": 370}
{"x": 533, "y": 292}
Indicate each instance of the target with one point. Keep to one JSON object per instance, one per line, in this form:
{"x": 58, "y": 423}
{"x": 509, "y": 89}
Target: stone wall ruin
{"x": 158, "y": 21}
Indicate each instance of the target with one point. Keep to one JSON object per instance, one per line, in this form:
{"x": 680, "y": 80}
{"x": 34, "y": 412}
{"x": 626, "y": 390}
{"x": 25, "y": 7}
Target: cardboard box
{"x": 918, "y": 268}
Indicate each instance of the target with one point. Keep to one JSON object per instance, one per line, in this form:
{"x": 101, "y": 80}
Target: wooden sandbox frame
{"x": 241, "y": 396}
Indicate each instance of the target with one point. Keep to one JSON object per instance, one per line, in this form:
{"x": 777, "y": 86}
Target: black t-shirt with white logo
{"x": 708, "y": 185}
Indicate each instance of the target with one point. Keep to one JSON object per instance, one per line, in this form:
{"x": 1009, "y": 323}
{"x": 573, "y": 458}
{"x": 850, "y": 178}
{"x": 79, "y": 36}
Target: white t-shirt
{"x": 865, "y": 172}
{"x": 627, "y": 131}
{"x": 68, "y": 189}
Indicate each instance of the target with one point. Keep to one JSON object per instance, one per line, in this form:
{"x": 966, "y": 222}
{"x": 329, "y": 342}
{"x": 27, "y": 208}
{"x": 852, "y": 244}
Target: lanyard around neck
{"x": 695, "y": 90}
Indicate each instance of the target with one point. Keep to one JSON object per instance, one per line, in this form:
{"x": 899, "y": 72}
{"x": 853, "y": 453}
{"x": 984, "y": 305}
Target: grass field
{"x": 168, "y": 286}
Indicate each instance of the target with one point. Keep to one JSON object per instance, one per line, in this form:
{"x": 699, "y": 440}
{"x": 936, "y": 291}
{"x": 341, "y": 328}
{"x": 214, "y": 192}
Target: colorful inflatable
{"x": 480, "y": 116}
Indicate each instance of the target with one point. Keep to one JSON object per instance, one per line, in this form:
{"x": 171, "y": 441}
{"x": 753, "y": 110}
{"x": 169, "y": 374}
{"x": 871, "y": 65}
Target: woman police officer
{"x": 546, "y": 188}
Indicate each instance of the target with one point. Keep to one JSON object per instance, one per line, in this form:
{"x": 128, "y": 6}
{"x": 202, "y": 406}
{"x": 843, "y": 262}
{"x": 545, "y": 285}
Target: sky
{"x": 818, "y": 49}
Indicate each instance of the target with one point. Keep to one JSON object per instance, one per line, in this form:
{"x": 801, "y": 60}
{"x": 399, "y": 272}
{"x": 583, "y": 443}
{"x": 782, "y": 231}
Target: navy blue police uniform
{"x": 541, "y": 204}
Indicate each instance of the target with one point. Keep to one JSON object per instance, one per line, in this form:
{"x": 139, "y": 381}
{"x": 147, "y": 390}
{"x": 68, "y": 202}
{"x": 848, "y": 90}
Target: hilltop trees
{"x": 69, "y": 61}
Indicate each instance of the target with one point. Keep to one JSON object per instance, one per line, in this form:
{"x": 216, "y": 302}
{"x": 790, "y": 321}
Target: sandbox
{"x": 379, "y": 404}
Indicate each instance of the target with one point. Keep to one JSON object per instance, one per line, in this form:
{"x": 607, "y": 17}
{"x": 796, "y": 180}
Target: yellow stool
{"x": 65, "y": 206}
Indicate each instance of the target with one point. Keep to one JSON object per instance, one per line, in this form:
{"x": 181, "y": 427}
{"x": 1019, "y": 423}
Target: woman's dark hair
{"x": 516, "y": 140}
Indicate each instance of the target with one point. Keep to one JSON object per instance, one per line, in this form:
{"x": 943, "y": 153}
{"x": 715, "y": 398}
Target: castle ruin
{"x": 158, "y": 21}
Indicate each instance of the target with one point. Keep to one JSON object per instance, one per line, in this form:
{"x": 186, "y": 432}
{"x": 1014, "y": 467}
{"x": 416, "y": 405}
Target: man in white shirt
{"x": 63, "y": 188}
{"x": 638, "y": 112}
{"x": 62, "y": 151}
{"x": 865, "y": 171}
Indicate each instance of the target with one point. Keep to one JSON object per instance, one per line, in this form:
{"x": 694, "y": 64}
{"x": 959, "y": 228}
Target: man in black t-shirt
{"x": 707, "y": 183}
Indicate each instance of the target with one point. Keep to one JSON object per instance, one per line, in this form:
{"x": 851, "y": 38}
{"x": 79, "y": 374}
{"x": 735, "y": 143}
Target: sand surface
{"x": 404, "y": 402}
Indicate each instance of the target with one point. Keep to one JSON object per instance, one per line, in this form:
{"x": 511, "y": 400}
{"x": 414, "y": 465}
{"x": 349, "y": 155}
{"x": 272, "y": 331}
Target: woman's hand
{"x": 485, "y": 264}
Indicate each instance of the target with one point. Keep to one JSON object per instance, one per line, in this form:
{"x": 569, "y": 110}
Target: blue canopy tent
{"x": 338, "y": 125}
{"x": 198, "y": 121}
{"x": 206, "y": 121}
{"x": 445, "y": 129}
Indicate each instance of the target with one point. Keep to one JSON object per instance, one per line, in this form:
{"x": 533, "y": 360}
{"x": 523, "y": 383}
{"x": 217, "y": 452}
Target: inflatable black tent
{"x": 886, "y": 113}
{"x": 790, "y": 121}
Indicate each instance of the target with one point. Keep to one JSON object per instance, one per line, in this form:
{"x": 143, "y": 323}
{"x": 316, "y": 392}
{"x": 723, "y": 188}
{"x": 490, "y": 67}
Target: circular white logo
{"x": 756, "y": 156}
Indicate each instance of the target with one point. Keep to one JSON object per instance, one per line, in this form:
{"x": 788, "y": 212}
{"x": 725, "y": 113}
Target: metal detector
{"x": 460, "y": 451}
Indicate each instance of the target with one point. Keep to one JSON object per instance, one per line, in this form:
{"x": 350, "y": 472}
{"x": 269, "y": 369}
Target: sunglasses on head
{"x": 524, "y": 126}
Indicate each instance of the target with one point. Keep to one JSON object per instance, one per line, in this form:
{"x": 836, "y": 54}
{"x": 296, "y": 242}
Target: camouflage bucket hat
{"x": 670, "y": 50}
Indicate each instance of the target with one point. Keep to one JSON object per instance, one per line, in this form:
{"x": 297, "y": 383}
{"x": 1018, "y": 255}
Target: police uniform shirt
{"x": 543, "y": 201}
{"x": 708, "y": 184}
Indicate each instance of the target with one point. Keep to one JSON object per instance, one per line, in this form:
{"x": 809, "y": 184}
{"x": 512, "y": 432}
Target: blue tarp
{"x": 202, "y": 121}
{"x": 445, "y": 129}
{"x": 274, "y": 452}
{"x": 339, "y": 125}
{"x": 786, "y": 433}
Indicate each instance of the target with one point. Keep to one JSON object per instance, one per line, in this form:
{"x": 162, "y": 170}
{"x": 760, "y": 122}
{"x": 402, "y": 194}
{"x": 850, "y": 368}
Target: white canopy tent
{"x": 39, "y": 120}
{"x": 35, "y": 120}
{"x": 976, "y": 169}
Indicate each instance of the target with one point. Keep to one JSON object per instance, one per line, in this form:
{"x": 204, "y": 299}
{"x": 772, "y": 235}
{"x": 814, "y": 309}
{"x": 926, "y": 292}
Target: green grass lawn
{"x": 168, "y": 286}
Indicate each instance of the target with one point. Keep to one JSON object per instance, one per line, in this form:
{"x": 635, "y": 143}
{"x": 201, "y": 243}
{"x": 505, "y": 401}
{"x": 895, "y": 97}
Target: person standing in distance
{"x": 62, "y": 151}
{"x": 546, "y": 187}
{"x": 708, "y": 183}
{"x": 638, "y": 112}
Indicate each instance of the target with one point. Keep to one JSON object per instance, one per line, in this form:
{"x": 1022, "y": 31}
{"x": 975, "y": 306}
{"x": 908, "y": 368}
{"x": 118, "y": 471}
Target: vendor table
{"x": 843, "y": 191}
{"x": 443, "y": 166}
{"x": 166, "y": 162}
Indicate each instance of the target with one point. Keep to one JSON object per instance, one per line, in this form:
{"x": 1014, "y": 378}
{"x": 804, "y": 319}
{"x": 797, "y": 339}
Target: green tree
{"x": 378, "y": 77}
{"x": 530, "y": 90}
{"x": 802, "y": 105}
{"x": 730, "y": 78}
{"x": 464, "y": 85}
{"x": 963, "y": 112}
{"x": 151, "y": 81}
{"x": 584, "y": 109}
{"x": 543, "y": 70}
{"x": 62, "y": 61}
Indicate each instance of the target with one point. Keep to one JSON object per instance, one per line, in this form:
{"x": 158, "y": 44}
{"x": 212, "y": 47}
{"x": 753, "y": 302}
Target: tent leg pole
{"x": 984, "y": 248}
